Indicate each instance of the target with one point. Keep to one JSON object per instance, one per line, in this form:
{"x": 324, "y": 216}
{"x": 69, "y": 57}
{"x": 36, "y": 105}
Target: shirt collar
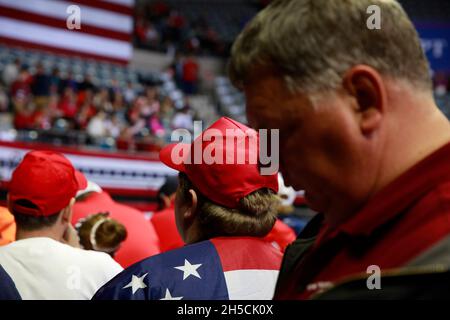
{"x": 400, "y": 194}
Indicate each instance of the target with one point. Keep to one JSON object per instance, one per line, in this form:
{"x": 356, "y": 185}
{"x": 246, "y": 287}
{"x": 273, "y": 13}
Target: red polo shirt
{"x": 142, "y": 240}
{"x": 398, "y": 224}
{"x": 281, "y": 234}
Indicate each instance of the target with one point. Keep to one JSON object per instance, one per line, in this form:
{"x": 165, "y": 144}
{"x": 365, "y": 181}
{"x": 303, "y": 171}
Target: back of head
{"x": 254, "y": 215}
{"x": 27, "y": 222}
{"x": 41, "y": 187}
{"x": 228, "y": 194}
{"x": 100, "y": 233}
{"x": 314, "y": 42}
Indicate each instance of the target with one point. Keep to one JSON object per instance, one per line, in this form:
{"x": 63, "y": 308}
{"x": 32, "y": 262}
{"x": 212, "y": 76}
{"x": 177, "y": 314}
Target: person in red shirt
{"x": 142, "y": 240}
{"x": 164, "y": 219}
{"x": 68, "y": 104}
{"x": 27, "y": 117}
{"x": 25, "y": 113}
{"x": 86, "y": 108}
{"x": 190, "y": 75}
{"x": 22, "y": 85}
{"x": 360, "y": 132}
{"x": 281, "y": 235}
{"x": 140, "y": 30}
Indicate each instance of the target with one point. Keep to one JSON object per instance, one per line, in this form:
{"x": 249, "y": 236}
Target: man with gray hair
{"x": 359, "y": 132}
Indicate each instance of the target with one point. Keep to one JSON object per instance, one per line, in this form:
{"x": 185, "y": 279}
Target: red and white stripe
{"x": 250, "y": 267}
{"x": 105, "y": 34}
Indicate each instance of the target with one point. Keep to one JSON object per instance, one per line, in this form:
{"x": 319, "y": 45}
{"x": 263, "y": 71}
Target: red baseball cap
{"x": 48, "y": 180}
{"x": 227, "y": 180}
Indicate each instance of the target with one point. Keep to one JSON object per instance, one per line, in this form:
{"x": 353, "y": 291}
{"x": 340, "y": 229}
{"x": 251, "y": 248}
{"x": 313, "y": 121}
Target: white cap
{"x": 287, "y": 194}
{"x": 91, "y": 187}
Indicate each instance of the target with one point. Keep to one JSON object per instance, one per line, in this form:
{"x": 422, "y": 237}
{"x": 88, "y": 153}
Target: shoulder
{"x": 240, "y": 247}
{"x": 433, "y": 208}
{"x": 439, "y": 196}
{"x": 93, "y": 260}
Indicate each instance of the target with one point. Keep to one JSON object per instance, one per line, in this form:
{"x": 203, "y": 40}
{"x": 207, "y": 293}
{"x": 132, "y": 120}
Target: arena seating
{"x": 103, "y": 75}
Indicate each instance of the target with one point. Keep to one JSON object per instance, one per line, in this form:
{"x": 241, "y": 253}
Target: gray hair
{"x": 314, "y": 42}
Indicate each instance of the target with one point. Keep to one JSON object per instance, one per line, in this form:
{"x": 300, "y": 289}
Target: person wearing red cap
{"x": 45, "y": 261}
{"x": 223, "y": 209}
{"x": 163, "y": 220}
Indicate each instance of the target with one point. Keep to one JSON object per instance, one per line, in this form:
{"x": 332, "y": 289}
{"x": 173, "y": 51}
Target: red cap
{"x": 48, "y": 180}
{"x": 224, "y": 183}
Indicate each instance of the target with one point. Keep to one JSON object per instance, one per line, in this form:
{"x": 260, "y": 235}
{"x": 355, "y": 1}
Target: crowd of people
{"x": 130, "y": 117}
{"x": 160, "y": 27}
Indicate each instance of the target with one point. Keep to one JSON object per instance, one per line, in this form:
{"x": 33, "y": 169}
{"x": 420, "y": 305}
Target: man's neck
{"x": 45, "y": 233}
{"x": 416, "y": 137}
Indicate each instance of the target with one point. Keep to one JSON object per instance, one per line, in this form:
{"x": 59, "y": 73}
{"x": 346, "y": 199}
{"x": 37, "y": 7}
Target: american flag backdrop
{"x": 219, "y": 269}
{"x": 106, "y": 27}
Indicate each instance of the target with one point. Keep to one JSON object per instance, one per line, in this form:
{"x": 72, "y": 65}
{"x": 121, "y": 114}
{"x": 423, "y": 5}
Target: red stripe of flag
{"x": 247, "y": 253}
{"x": 61, "y": 24}
{"x": 120, "y": 155}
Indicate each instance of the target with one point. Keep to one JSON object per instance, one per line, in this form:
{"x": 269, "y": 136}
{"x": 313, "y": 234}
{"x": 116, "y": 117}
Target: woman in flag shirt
{"x": 222, "y": 212}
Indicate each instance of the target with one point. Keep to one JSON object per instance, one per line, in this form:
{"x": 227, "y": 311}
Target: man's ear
{"x": 67, "y": 212}
{"x": 366, "y": 85}
{"x": 192, "y": 202}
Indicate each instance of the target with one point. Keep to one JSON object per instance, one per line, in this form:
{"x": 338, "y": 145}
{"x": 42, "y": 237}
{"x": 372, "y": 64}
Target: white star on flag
{"x": 189, "y": 269}
{"x": 136, "y": 283}
{"x": 169, "y": 296}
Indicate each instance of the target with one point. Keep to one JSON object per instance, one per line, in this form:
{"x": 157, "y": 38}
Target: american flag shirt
{"x": 226, "y": 268}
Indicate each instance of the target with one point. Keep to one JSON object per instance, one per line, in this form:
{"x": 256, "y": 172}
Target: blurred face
{"x": 151, "y": 93}
{"x": 322, "y": 148}
{"x": 23, "y": 76}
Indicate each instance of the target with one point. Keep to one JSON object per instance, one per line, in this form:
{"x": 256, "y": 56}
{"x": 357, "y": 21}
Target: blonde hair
{"x": 314, "y": 42}
{"x": 255, "y": 215}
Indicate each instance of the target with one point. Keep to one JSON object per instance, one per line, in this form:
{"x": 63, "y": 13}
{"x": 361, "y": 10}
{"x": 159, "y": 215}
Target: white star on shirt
{"x": 189, "y": 269}
{"x": 169, "y": 296}
{"x": 136, "y": 283}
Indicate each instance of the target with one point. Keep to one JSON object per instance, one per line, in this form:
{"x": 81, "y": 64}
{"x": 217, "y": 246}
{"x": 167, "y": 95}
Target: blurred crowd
{"x": 160, "y": 27}
{"x": 126, "y": 116}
